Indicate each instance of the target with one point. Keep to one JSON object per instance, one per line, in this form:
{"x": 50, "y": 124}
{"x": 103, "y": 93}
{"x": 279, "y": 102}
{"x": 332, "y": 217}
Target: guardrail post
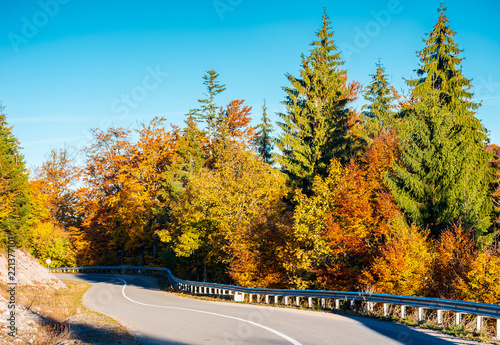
{"x": 323, "y": 303}
{"x": 440, "y": 316}
{"x": 297, "y": 301}
{"x": 498, "y": 330}
{"x": 385, "y": 309}
{"x": 403, "y": 311}
{"x": 286, "y": 300}
{"x": 457, "y": 318}
{"x": 479, "y": 322}
{"x": 420, "y": 314}
{"x": 243, "y": 297}
{"x": 250, "y": 298}
{"x": 369, "y": 307}
{"x": 310, "y": 302}
{"x": 267, "y": 299}
{"x": 276, "y": 300}
{"x": 205, "y": 290}
{"x": 258, "y": 298}
{"x": 337, "y": 303}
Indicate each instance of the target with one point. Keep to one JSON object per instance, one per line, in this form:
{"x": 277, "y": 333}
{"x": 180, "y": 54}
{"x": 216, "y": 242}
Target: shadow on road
{"x": 403, "y": 334}
{"x": 81, "y": 329}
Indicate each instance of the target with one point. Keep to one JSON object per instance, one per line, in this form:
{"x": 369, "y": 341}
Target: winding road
{"x": 156, "y": 317}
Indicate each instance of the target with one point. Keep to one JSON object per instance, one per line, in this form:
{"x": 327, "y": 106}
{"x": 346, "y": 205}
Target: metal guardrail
{"x": 481, "y": 310}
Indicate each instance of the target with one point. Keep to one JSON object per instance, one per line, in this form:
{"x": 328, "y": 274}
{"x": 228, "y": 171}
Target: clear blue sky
{"x": 67, "y": 66}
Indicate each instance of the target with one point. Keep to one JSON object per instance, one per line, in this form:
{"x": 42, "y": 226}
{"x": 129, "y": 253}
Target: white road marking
{"x": 284, "y": 336}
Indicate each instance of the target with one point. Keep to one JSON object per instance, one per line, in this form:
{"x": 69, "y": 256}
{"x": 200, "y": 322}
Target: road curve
{"x": 156, "y": 317}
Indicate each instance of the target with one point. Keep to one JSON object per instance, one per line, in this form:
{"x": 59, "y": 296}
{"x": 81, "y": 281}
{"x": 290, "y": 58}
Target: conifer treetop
{"x": 264, "y": 142}
{"x": 441, "y": 65}
{"x": 317, "y": 124}
{"x": 208, "y": 107}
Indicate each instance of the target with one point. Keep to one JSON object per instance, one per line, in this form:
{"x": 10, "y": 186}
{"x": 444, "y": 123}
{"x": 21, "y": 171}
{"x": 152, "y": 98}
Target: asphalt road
{"x": 156, "y": 317}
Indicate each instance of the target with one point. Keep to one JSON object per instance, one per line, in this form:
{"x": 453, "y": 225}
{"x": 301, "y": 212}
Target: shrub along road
{"x": 156, "y": 317}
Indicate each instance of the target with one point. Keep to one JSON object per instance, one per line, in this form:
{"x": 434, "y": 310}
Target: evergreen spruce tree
{"x": 443, "y": 175}
{"x": 15, "y": 188}
{"x": 317, "y": 125}
{"x": 208, "y": 109}
{"x": 440, "y": 69}
{"x": 264, "y": 140}
{"x": 436, "y": 181}
{"x": 379, "y": 113}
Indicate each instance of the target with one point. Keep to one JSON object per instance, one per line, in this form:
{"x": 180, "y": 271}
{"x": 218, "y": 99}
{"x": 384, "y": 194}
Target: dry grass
{"x": 65, "y": 318}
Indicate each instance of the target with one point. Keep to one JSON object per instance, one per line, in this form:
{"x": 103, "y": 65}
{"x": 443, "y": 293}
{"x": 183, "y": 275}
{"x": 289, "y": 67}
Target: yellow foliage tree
{"x": 223, "y": 213}
{"x": 48, "y": 239}
{"x": 403, "y": 265}
{"x": 483, "y": 278}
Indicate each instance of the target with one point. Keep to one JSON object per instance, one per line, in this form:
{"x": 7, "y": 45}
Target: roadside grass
{"x": 64, "y": 316}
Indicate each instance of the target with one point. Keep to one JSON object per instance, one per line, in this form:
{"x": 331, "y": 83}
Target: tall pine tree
{"x": 440, "y": 69}
{"x": 14, "y": 189}
{"x": 379, "y": 113}
{"x": 436, "y": 181}
{"x": 443, "y": 175}
{"x": 264, "y": 142}
{"x": 318, "y": 125}
{"x": 208, "y": 109}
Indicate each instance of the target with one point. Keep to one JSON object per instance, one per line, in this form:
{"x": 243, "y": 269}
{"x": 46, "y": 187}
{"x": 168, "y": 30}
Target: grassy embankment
{"x": 65, "y": 318}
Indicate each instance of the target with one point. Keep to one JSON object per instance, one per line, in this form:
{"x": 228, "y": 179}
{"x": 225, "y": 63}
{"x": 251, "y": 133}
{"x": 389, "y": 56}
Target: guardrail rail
{"x": 320, "y": 298}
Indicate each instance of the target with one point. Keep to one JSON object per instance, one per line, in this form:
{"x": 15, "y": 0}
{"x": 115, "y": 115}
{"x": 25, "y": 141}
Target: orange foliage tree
{"x": 234, "y": 124}
{"x": 403, "y": 263}
{"x": 464, "y": 272}
{"x": 57, "y": 178}
{"x": 341, "y": 227}
{"x": 454, "y": 254}
{"x": 126, "y": 186}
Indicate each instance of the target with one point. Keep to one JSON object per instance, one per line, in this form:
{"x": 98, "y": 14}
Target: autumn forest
{"x": 401, "y": 196}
